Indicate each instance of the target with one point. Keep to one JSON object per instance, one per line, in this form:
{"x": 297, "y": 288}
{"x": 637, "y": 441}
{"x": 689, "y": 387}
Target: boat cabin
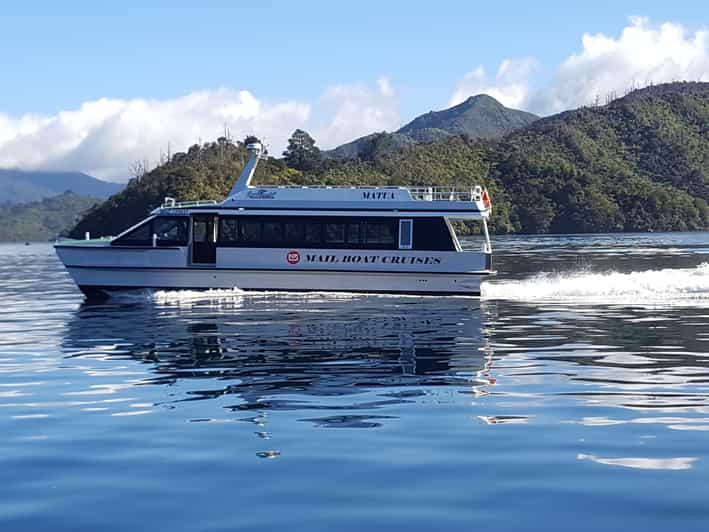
{"x": 210, "y": 231}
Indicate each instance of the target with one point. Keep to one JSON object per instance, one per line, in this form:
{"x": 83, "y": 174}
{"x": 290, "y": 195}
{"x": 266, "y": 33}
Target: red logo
{"x": 293, "y": 257}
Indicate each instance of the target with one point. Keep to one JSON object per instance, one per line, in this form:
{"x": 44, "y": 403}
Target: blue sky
{"x": 59, "y": 57}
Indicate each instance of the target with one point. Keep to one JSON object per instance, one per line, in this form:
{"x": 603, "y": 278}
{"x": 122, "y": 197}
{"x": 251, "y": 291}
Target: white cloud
{"x": 105, "y": 136}
{"x": 510, "y": 86}
{"x": 350, "y": 111}
{"x": 643, "y": 53}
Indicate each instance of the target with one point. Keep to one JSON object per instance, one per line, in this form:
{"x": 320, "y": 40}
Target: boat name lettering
{"x": 372, "y": 259}
{"x": 377, "y": 195}
{"x": 261, "y": 193}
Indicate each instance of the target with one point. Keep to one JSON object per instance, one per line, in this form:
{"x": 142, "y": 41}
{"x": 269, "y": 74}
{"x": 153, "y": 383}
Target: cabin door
{"x": 204, "y": 239}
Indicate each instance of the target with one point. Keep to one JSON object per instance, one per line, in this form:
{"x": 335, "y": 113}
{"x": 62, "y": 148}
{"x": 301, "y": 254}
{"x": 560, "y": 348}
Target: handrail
{"x": 170, "y": 203}
{"x": 449, "y": 193}
{"x": 338, "y": 187}
{"x": 443, "y": 193}
{"x": 446, "y": 193}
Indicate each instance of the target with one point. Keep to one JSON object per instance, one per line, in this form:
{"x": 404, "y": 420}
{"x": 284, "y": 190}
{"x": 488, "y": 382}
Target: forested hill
{"x": 478, "y": 117}
{"x": 204, "y": 172}
{"x": 18, "y": 186}
{"x": 43, "y": 220}
{"x": 639, "y": 163}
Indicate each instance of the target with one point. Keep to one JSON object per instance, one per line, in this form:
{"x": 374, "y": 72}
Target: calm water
{"x": 573, "y": 396}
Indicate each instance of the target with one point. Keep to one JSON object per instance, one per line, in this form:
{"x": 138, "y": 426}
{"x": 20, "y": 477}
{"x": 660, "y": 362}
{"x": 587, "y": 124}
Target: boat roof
{"x": 452, "y": 202}
{"x": 420, "y": 201}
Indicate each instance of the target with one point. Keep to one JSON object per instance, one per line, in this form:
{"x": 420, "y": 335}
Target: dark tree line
{"x": 640, "y": 163}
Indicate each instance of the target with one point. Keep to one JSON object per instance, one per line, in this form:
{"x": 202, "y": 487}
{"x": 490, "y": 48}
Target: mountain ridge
{"x": 43, "y": 220}
{"x": 465, "y": 119}
{"x": 22, "y": 186}
{"x": 639, "y": 163}
{"x": 478, "y": 117}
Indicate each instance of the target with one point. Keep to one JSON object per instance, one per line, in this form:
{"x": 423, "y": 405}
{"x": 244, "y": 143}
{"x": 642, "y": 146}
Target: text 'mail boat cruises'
{"x": 295, "y": 238}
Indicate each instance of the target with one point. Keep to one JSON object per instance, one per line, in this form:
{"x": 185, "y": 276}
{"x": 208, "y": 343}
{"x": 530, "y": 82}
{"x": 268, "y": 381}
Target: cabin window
{"x": 228, "y": 229}
{"x": 170, "y": 231}
{"x": 334, "y": 233}
{"x": 309, "y": 232}
{"x": 294, "y": 231}
{"x": 421, "y": 233}
{"x": 199, "y": 230}
{"x": 432, "y": 234}
{"x": 272, "y": 232}
{"x": 249, "y": 230}
{"x": 405, "y": 234}
{"x": 138, "y": 235}
{"x": 354, "y": 234}
{"x": 313, "y": 233}
{"x": 380, "y": 234}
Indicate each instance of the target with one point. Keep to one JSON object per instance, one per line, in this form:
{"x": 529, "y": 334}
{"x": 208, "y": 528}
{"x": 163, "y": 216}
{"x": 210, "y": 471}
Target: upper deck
{"x": 452, "y": 202}
{"x": 471, "y": 203}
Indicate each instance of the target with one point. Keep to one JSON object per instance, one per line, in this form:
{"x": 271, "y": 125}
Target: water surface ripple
{"x": 573, "y": 395}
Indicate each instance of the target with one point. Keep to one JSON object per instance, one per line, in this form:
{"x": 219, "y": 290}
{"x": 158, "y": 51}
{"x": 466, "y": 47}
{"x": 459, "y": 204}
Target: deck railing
{"x": 170, "y": 203}
{"x": 450, "y": 193}
{"x": 446, "y": 193}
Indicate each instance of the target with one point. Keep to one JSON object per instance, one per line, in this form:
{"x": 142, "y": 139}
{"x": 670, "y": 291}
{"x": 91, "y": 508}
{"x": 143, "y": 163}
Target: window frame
{"x": 378, "y": 244}
{"x": 150, "y": 223}
{"x": 409, "y": 234}
{"x": 433, "y": 233}
{"x": 166, "y": 242}
{"x": 308, "y": 227}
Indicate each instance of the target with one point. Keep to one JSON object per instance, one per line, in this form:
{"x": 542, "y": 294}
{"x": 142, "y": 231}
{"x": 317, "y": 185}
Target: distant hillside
{"x": 640, "y": 163}
{"x": 17, "y": 186}
{"x": 204, "y": 172}
{"x": 478, "y": 117}
{"x": 366, "y": 147}
{"x": 43, "y": 220}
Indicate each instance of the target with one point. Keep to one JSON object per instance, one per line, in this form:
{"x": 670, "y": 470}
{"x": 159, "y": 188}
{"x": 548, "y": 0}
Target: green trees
{"x": 640, "y": 163}
{"x": 302, "y": 154}
{"x": 206, "y": 171}
{"x": 42, "y": 220}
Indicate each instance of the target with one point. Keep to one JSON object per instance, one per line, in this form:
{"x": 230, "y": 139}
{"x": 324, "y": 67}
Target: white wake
{"x": 177, "y": 297}
{"x": 650, "y": 286}
{"x": 174, "y": 297}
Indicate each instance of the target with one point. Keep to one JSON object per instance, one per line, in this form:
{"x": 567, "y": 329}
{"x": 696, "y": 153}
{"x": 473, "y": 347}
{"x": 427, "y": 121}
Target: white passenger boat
{"x": 295, "y": 238}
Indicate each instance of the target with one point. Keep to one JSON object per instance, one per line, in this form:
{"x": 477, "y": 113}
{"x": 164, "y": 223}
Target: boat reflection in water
{"x": 273, "y": 351}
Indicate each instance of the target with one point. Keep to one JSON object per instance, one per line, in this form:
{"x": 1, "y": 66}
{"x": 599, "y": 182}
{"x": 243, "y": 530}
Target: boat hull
{"x": 96, "y": 282}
